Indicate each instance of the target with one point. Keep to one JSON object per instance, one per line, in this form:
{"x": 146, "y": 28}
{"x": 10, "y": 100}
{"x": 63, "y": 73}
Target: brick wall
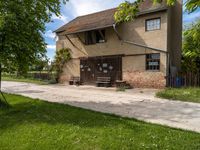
{"x": 145, "y": 79}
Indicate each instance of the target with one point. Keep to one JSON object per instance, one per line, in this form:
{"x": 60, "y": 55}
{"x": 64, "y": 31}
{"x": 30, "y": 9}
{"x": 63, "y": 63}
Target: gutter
{"x": 85, "y": 30}
{"x": 153, "y": 10}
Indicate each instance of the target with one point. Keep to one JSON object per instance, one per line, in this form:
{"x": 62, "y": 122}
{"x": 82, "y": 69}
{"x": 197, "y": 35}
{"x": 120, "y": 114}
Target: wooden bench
{"x": 105, "y": 81}
{"x": 74, "y": 81}
{"x": 120, "y": 83}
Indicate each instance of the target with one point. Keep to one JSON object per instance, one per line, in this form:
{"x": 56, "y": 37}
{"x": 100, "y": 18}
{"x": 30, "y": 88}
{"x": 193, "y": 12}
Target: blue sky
{"x": 75, "y": 8}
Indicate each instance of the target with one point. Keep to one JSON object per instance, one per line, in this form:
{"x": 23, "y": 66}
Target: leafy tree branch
{"x": 127, "y": 11}
{"x": 61, "y": 58}
{"x": 22, "y": 25}
{"x": 191, "y": 47}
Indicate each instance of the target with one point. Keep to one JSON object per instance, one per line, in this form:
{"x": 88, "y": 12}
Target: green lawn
{"x": 28, "y": 80}
{"x": 37, "y": 125}
{"x": 183, "y": 94}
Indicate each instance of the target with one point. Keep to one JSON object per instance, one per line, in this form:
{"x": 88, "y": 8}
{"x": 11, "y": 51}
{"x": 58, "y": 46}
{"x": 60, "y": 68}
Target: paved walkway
{"x": 135, "y": 103}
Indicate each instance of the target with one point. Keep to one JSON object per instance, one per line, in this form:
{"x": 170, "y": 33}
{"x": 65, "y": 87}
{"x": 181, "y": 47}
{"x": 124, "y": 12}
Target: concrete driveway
{"x": 135, "y": 103}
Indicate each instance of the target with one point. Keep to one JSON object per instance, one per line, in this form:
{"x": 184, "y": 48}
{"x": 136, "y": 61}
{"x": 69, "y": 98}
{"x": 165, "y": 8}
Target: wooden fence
{"x": 188, "y": 79}
{"x": 33, "y": 75}
{"x": 41, "y": 75}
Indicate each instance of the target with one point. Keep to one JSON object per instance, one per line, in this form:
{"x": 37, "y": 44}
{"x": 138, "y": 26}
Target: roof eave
{"x": 97, "y": 28}
{"x": 152, "y": 11}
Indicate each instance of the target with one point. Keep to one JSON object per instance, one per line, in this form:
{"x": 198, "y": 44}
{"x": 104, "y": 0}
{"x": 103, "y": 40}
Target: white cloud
{"x": 62, "y": 18}
{"x": 52, "y": 47}
{"x": 50, "y": 34}
{"x": 83, "y": 7}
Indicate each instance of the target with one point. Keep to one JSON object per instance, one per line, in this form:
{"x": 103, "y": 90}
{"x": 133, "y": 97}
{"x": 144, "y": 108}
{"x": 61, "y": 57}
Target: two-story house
{"x": 142, "y": 52}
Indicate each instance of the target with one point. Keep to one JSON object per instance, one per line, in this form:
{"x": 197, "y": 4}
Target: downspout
{"x": 119, "y": 37}
{"x": 168, "y": 70}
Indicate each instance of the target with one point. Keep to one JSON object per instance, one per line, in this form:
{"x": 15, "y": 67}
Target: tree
{"x": 128, "y": 11}
{"x": 192, "y": 5}
{"x": 191, "y": 47}
{"x": 22, "y": 24}
{"x": 40, "y": 64}
{"x": 61, "y": 58}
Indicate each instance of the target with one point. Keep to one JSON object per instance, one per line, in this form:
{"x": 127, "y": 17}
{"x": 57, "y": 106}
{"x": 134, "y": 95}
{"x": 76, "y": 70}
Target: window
{"x": 100, "y": 36}
{"x": 153, "y": 62}
{"x": 153, "y": 24}
{"x": 93, "y": 37}
{"x": 89, "y": 38}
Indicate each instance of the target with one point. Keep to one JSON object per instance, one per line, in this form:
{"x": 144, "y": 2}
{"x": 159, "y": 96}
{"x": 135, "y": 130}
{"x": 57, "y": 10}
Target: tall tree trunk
{"x": 3, "y": 101}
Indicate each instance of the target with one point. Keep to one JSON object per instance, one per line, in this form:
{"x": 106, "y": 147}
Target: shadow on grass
{"x": 33, "y": 115}
{"x": 26, "y": 110}
{"x": 35, "y": 111}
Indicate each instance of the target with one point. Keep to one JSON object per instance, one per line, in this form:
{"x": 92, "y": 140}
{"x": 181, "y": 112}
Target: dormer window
{"x": 93, "y": 37}
{"x": 153, "y": 24}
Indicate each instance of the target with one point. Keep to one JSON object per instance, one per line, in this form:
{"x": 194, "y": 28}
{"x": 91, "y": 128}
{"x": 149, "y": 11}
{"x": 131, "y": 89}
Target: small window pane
{"x": 155, "y": 56}
{"x": 153, "y": 24}
{"x": 153, "y": 62}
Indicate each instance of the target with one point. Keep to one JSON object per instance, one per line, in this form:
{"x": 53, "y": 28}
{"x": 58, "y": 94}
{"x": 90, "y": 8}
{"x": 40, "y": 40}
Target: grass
{"x": 37, "y": 125}
{"x": 27, "y": 80}
{"x": 182, "y": 94}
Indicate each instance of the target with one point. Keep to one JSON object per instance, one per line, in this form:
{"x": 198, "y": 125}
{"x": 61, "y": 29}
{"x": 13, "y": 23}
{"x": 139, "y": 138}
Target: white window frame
{"x": 153, "y": 24}
{"x": 153, "y": 62}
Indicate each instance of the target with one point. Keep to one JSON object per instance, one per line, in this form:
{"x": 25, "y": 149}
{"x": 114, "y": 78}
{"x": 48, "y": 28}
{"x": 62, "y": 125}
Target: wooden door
{"x": 87, "y": 71}
{"x": 109, "y": 67}
{"x": 105, "y": 66}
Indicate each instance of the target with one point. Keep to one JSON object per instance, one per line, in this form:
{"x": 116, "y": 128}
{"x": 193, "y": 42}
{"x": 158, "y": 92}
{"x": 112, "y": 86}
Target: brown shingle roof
{"x": 103, "y": 19}
{"x": 92, "y": 21}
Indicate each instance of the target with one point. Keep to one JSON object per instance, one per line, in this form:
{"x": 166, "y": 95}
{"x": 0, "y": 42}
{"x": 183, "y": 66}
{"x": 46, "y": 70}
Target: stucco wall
{"x": 133, "y": 31}
{"x": 70, "y": 69}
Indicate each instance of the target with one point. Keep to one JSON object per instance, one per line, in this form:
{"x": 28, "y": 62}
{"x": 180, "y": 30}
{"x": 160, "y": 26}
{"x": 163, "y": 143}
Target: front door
{"x": 105, "y": 66}
{"x": 87, "y": 70}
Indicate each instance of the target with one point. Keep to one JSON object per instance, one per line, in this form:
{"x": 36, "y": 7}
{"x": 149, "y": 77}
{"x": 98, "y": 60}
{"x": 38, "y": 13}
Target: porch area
{"x": 99, "y": 71}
